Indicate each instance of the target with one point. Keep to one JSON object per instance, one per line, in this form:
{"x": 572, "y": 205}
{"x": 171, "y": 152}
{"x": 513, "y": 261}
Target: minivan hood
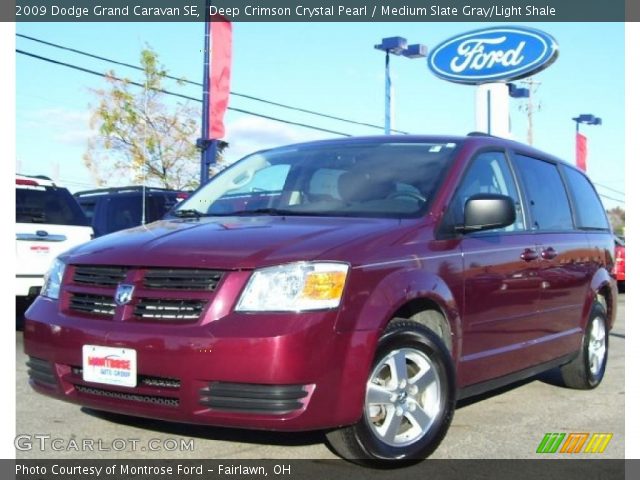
{"x": 231, "y": 242}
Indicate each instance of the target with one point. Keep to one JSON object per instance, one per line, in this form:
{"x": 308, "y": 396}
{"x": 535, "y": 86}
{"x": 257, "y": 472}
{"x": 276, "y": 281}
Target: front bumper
{"x": 262, "y": 371}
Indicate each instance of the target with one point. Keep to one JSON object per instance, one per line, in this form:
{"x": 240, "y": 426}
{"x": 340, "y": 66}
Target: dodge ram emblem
{"x": 124, "y": 294}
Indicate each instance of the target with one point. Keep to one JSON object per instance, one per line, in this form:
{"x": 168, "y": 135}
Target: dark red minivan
{"x": 358, "y": 286}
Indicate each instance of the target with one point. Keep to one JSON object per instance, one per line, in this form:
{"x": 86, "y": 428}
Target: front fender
{"x": 376, "y": 293}
{"x": 384, "y": 290}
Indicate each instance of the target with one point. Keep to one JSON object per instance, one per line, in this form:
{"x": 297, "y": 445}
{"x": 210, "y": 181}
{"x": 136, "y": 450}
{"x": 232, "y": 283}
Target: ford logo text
{"x": 493, "y": 55}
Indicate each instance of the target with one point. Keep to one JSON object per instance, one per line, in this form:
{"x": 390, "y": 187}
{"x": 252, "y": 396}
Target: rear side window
{"x": 48, "y": 205}
{"x": 123, "y": 212}
{"x": 547, "y": 196}
{"x": 589, "y": 211}
{"x": 88, "y": 206}
{"x": 159, "y": 205}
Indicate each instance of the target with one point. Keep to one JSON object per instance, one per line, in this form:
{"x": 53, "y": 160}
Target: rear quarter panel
{"x": 602, "y": 260}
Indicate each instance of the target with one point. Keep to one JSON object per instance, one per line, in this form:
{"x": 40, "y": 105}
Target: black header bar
{"x": 322, "y": 10}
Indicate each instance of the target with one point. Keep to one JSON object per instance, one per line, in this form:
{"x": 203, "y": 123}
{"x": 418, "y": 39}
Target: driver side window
{"x": 489, "y": 173}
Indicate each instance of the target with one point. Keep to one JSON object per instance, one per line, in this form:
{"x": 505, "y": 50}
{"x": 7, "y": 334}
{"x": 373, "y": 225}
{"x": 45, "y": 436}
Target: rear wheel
{"x": 409, "y": 401}
{"x": 586, "y": 371}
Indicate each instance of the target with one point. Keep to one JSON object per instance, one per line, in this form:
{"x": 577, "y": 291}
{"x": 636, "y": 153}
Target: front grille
{"x": 95, "y": 304}
{"x": 169, "y": 310}
{"x": 253, "y": 398}
{"x": 42, "y": 372}
{"x": 98, "y": 275}
{"x": 182, "y": 279}
{"x": 159, "y": 382}
{"x": 186, "y": 292}
{"x": 155, "y": 382}
{"x": 133, "y": 397}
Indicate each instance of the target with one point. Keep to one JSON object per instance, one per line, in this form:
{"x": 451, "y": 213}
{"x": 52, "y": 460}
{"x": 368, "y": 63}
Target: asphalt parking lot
{"x": 509, "y": 423}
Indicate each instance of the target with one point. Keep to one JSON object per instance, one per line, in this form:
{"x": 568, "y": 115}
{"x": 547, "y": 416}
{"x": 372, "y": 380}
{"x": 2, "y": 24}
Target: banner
{"x": 581, "y": 152}
{"x": 219, "y": 74}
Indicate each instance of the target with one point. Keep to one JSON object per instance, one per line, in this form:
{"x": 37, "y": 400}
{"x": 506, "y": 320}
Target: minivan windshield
{"x": 394, "y": 179}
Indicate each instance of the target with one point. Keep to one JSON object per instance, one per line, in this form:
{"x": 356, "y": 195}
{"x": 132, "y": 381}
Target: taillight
{"x": 23, "y": 181}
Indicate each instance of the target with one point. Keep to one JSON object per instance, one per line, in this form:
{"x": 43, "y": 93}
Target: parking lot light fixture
{"x": 396, "y": 46}
{"x": 587, "y": 119}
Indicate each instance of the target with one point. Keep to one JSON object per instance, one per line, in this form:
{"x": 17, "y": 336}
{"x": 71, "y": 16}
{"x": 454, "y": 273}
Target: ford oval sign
{"x": 493, "y": 55}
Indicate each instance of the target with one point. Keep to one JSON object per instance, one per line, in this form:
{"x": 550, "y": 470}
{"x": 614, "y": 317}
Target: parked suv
{"x": 48, "y": 222}
{"x": 113, "y": 209}
{"x": 361, "y": 286}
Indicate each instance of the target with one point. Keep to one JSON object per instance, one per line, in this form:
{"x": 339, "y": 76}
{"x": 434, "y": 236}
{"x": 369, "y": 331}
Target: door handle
{"x": 529, "y": 255}
{"x": 549, "y": 253}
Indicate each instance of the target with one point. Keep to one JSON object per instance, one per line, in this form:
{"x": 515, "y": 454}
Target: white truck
{"x": 49, "y": 221}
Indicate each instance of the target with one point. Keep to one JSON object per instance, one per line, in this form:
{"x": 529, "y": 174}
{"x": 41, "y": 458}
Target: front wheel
{"x": 409, "y": 400}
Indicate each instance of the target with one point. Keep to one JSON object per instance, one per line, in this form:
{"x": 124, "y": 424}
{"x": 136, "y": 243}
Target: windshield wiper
{"x": 188, "y": 213}
{"x": 261, "y": 211}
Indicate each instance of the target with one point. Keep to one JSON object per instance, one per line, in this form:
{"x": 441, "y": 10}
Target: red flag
{"x": 219, "y": 73}
{"x": 581, "y": 152}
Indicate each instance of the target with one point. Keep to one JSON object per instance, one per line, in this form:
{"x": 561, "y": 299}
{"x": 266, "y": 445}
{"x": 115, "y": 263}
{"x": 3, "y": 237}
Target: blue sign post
{"x": 497, "y": 54}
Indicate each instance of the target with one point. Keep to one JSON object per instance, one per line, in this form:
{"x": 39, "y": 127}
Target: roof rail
{"x": 132, "y": 188}
{"x": 40, "y": 177}
{"x": 479, "y": 134}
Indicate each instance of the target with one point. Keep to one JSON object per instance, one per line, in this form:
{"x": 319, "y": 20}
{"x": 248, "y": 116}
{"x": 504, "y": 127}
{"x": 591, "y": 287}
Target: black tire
{"x": 426, "y": 358}
{"x": 22, "y": 303}
{"x": 581, "y": 372}
{"x": 621, "y": 286}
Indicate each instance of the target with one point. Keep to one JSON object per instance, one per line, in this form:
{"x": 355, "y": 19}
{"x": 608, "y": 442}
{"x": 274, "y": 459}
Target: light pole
{"x": 396, "y": 46}
{"x": 524, "y": 92}
{"x": 587, "y": 119}
{"x": 581, "y": 140}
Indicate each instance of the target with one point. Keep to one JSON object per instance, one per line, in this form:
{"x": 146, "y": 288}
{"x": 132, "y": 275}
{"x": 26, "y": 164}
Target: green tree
{"x": 143, "y": 136}
{"x": 616, "y": 217}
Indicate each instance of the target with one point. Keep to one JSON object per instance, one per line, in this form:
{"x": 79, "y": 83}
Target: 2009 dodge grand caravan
{"x": 360, "y": 286}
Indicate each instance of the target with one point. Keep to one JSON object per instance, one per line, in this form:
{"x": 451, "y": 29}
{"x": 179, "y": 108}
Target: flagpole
{"x": 208, "y": 146}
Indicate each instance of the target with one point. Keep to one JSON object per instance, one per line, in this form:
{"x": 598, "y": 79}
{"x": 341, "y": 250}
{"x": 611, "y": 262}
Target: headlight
{"x": 53, "y": 280}
{"x": 294, "y": 287}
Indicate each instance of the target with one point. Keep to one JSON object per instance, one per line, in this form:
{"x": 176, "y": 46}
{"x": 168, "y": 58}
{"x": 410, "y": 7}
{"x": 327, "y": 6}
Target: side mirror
{"x": 486, "y": 211}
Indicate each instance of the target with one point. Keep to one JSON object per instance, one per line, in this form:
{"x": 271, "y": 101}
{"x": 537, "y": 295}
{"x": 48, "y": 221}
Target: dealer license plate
{"x": 113, "y": 366}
